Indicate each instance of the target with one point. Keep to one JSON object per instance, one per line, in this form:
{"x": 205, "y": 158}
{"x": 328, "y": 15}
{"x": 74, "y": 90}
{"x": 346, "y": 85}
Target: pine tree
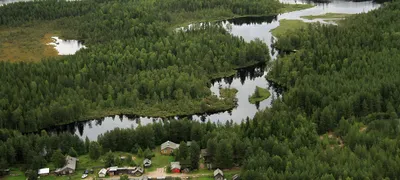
{"x": 194, "y": 155}
{"x": 72, "y": 152}
{"x": 109, "y": 159}
{"x": 58, "y": 159}
{"x": 94, "y": 150}
{"x": 224, "y": 155}
{"x": 183, "y": 151}
{"x": 87, "y": 144}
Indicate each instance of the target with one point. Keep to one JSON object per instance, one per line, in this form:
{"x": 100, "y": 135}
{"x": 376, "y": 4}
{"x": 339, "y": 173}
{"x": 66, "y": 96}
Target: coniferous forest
{"x": 136, "y": 62}
{"x": 338, "y": 117}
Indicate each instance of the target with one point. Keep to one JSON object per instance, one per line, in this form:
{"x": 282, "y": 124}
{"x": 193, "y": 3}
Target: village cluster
{"x": 167, "y": 149}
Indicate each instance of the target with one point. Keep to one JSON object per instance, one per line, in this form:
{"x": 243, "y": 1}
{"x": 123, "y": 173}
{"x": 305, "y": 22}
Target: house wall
{"x": 66, "y": 171}
{"x": 176, "y": 170}
{"x": 137, "y": 174}
{"x": 167, "y": 151}
{"x": 219, "y": 177}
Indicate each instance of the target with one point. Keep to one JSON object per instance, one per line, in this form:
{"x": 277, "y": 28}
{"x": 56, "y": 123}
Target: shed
{"x": 218, "y": 174}
{"x": 102, "y": 172}
{"x": 189, "y": 143}
{"x": 206, "y": 156}
{"x": 236, "y": 177}
{"x": 4, "y": 172}
{"x": 138, "y": 171}
{"x": 146, "y": 162}
{"x": 112, "y": 170}
{"x": 44, "y": 172}
{"x": 175, "y": 167}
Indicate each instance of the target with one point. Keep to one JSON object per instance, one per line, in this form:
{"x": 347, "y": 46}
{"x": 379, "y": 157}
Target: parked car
{"x": 85, "y": 174}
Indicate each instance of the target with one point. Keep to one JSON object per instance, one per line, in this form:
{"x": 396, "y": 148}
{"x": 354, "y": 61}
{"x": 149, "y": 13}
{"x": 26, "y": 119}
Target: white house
{"x": 102, "y": 172}
{"x": 44, "y": 172}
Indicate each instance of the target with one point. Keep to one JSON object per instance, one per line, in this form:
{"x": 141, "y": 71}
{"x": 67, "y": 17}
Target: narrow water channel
{"x": 245, "y": 81}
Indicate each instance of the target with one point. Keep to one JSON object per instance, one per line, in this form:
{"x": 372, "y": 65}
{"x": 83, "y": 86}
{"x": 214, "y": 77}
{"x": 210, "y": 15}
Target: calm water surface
{"x": 66, "y": 47}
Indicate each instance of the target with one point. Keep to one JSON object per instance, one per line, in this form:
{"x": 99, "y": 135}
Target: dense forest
{"x": 343, "y": 71}
{"x": 337, "y": 119}
{"x": 136, "y": 62}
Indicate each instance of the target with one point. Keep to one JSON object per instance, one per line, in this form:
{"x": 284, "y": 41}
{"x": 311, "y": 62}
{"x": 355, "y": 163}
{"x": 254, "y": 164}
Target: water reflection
{"x": 251, "y": 20}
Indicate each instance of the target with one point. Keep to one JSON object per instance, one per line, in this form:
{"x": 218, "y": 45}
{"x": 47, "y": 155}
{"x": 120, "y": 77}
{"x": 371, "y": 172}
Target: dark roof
{"x": 236, "y": 177}
{"x": 147, "y": 162}
{"x": 218, "y": 171}
{"x": 169, "y": 144}
{"x": 71, "y": 164}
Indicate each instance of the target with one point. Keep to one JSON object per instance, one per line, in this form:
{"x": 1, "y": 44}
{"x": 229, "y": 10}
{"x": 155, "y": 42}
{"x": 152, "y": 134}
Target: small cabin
{"x": 102, "y": 173}
{"x": 44, "y": 172}
{"x": 146, "y": 162}
{"x": 218, "y": 174}
{"x": 175, "y": 167}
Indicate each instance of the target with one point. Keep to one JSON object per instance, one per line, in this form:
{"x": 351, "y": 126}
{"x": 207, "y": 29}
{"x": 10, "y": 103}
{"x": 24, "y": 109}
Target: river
{"x": 245, "y": 81}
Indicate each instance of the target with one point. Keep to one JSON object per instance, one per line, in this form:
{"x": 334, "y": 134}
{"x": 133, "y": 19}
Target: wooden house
{"x": 102, "y": 173}
{"x": 206, "y": 157}
{"x": 218, "y": 174}
{"x": 168, "y": 147}
{"x": 69, "y": 167}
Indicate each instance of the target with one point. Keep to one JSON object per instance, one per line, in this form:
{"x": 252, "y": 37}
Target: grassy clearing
{"x": 228, "y": 92}
{"x": 15, "y": 174}
{"x": 287, "y": 26}
{"x": 259, "y": 95}
{"x": 159, "y": 160}
{"x": 327, "y": 16}
{"x": 28, "y": 43}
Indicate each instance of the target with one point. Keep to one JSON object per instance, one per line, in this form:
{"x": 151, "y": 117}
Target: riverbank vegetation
{"x": 287, "y": 26}
{"x": 259, "y": 95}
{"x": 327, "y": 16}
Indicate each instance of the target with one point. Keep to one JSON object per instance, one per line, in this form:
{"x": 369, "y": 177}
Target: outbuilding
{"x": 218, "y": 174}
{"x": 102, "y": 173}
{"x": 146, "y": 162}
{"x": 175, "y": 167}
{"x": 44, "y": 172}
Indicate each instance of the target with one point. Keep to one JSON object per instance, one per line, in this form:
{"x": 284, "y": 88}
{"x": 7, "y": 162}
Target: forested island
{"x": 259, "y": 95}
{"x": 337, "y": 119}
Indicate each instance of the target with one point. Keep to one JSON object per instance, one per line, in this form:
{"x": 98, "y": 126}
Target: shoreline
{"x": 126, "y": 112}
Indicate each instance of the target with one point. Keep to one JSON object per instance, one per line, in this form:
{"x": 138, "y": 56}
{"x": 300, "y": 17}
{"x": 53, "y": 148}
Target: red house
{"x": 175, "y": 167}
